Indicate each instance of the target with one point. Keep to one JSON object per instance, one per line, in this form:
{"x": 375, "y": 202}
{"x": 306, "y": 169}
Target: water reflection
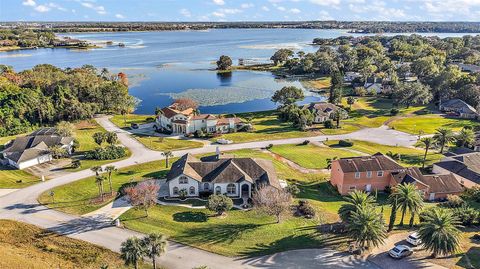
{"x": 225, "y": 78}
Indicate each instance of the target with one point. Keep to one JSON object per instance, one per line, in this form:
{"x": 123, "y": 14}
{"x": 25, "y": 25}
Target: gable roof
{"x": 321, "y": 108}
{"x": 225, "y": 170}
{"x": 446, "y": 183}
{"x": 376, "y": 162}
{"x": 458, "y": 104}
{"x": 464, "y": 165}
{"x": 170, "y": 111}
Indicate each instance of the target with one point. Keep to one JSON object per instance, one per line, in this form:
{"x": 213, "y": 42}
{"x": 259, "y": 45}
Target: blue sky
{"x": 238, "y": 10}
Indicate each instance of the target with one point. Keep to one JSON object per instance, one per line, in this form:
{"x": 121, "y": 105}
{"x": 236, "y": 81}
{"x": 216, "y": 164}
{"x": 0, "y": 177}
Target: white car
{"x": 224, "y": 141}
{"x": 400, "y": 251}
{"x": 414, "y": 239}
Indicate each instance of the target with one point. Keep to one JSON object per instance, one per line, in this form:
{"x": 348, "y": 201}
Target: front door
{"x": 245, "y": 190}
{"x": 432, "y": 196}
{"x": 368, "y": 188}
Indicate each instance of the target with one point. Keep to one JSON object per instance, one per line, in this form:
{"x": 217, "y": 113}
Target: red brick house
{"x": 376, "y": 172}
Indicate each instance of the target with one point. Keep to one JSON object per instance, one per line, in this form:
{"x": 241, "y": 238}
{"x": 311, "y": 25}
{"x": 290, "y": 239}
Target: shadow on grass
{"x": 190, "y": 217}
{"x": 322, "y": 191}
{"x": 216, "y": 233}
{"x": 157, "y": 174}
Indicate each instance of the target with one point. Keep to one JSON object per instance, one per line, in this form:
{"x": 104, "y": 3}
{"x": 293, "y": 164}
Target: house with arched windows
{"x": 234, "y": 177}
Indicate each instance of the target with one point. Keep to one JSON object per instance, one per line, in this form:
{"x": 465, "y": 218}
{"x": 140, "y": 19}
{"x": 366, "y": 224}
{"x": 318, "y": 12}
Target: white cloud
{"x": 326, "y": 2}
{"x": 230, "y": 10}
{"x": 42, "y": 8}
{"x": 53, "y": 5}
{"x": 218, "y": 14}
{"x": 281, "y": 8}
{"x": 247, "y": 5}
{"x": 185, "y": 12}
{"x": 99, "y": 9}
{"x": 219, "y": 2}
{"x": 30, "y": 3}
{"x": 295, "y": 10}
{"x": 119, "y": 16}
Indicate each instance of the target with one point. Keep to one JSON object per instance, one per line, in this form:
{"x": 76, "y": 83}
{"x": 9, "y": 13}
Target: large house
{"x": 322, "y": 111}
{"x": 187, "y": 121}
{"x": 234, "y": 177}
{"x": 459, "y": 108}
{"x": 465, "y": 167}
{"x": 377, "y": 172}
{"x": 34, "y": 148}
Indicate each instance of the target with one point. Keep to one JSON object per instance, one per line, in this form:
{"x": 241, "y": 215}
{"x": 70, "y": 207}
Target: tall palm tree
{"x": 427, "y": 142}
{"x": 99, "y": 181}
{"x": 110, "y": 169}
{"x": 439, "y": 231}
{"x": 408, "y": 198}
{"x": 338, "y": 115}
{"x": 154, "y": 245}
{"x": 465, "y": 137}
{"x": 355, "y": 200}
{"x": 367, "y": 228}
{"x": 132, "y": 251}
{"x": 393, "y": 201}
{"x": 443, "y": 136}
{"x": 97, "y": 170}
{"x": 167, "y": 154}
{"x": 330, "y": 161}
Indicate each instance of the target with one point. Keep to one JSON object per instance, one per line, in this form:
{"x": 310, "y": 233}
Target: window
{"x": 352, "y": 188}
{"x": 379, "y": 173}
{"x": 183, "y": 180}
{"x": 231, "y": 188}
{"x": 192, "y": 190}
{"x": 357, "y": 174}
{"x": 218, "y": 190}
{"x": 175, "y": 190}
{"x": 206, "y": 186}
{"x": 369, "y": 173}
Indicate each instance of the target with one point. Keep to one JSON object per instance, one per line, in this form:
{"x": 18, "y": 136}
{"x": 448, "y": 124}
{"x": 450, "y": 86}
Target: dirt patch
{"x": 86, "y": 124}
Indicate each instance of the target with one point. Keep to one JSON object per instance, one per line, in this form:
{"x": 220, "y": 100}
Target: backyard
{"x": 124, "y": 121}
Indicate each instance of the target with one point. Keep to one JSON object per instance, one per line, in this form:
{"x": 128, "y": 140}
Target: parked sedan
{"x": 400, "y": 251}
{"x": 224, "y": 141}
{"x": 414, "y": 239}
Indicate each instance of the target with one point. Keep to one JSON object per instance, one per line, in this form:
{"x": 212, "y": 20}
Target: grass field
{"x": 27, "y": 246}
{"x": 15, "y": 179}
{"x": 310, "y": 156}
{"x": 76, "y": 198}
{"x": 162, "y": 144}
{"x": 123, "y": 122}
{"x": 428, "y": 124}
{"x": 409, "y": 156}
{"x": 317, "y": 84}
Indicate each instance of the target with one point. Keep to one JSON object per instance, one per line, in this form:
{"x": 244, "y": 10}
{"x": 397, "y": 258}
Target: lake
{"x": 162, "y": 66}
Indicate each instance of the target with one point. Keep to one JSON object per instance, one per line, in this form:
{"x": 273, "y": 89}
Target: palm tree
{"x": 367, "y": 228}
{"x": 355, "y": 200}
{"x": 393, "y": 155}
{"x": 110, "y": 169}
{"x": 132, "y": 251}
{"x": 97, "y": 170}
{"x": 393, "y": 200}
{"x": 338, "y": 115}
{"x": 427, "y": 142}
{"x": 99, "y": 181}
{"x": 330, "y": 161}
{"x": 350, "y": 101}
{"x": 443, "y": 136}
{"x": 439, "y": 231}
{"x": 167, "y": 155}
{"x": 465, "y": 137}
{"x": 408, "y": 198}
{"x": 154, "y": 245}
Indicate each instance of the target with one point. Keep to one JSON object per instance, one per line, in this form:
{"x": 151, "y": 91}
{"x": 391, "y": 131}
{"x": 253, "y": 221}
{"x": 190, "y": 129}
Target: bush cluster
{"x": 345, "y": 143}
{"x": 305, "y": 209}
{"x": 111, "y": 152}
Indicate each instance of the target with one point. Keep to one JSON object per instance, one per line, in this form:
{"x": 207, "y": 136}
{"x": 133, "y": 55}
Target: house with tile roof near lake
{"x": 187, "y": 121}
{"x": 34, "y": 149}
{"x": 377, "y": 172}
{"x": 220, "y": 174}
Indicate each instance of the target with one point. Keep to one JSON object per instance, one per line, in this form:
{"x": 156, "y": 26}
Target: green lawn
{"x": 310, "y": 156}
{"x": 409, "y": 156}
{"x": 76, "y": 197}
{"x": 162, "y": 144}
{"x": 429, "y": 123}
{"x": 14, "y": 179}
{"x": 123, "y": 122}
{"x": 317, "y": 84}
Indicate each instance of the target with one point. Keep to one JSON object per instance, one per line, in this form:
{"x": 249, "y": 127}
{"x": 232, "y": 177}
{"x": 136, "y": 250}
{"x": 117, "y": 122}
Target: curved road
{"x": 22, "y": 206}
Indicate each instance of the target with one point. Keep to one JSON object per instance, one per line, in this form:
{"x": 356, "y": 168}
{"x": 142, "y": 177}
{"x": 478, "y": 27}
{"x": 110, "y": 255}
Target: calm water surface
{"x": 165, "y": 65}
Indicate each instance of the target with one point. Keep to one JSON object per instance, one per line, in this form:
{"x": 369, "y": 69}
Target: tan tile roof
{"x": 376, "y": 162}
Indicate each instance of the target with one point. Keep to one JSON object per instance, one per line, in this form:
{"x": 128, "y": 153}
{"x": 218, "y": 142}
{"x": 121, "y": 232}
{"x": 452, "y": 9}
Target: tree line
{"x": 45, "y": 95}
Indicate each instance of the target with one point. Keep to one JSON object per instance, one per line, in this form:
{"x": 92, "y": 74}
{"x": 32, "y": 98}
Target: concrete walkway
{"x": 111, "y": 211}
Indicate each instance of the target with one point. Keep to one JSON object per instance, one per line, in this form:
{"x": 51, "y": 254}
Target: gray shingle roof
{"x": 465, "y": 165}
{"x": 376, "y": 162}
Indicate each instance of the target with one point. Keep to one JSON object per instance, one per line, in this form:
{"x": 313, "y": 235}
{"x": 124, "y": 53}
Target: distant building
{"x": 34, "y": 148}
{"x": 188, "y": 122}
{"x": 351, "y": 76}
{"x": 377, "y": 172}
{"x": 458, "y": 108}
{"x": 465, "y": 167}
{"x": 234, "y": 177}
{"x": 322, "y": 111}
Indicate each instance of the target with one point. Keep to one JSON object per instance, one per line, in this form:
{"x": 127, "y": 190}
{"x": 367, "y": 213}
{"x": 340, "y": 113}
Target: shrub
{"x": 110, "y": 152}
{"x": 293, "y": 190}
{"x": 472, "y": 194}
{"x": 454, "y": 201}
{"x": 394, "y": 111}
{"x": 305, "y": 209}
{"x": 306, "y": 142}
{"x": 467, "y": 215}
{"x": 388, "y": 190}
{"x": 182, "y": 194}
{"x": 269, "y": 146}
{"x": 345, "y": 143}
{"x": 149, "y": 119}
{"x": 328, "y": 124}
{"x": 219, "y": 203}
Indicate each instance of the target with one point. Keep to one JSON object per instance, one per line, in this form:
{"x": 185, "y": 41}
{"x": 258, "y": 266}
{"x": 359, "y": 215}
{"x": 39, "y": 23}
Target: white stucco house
{"x": 188, "y": 122}
{"x": 322, "y": 111}
{"x": 459, "y": 107}
{"x": 234, "y": 177}
{"x": 34, "y": 148}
